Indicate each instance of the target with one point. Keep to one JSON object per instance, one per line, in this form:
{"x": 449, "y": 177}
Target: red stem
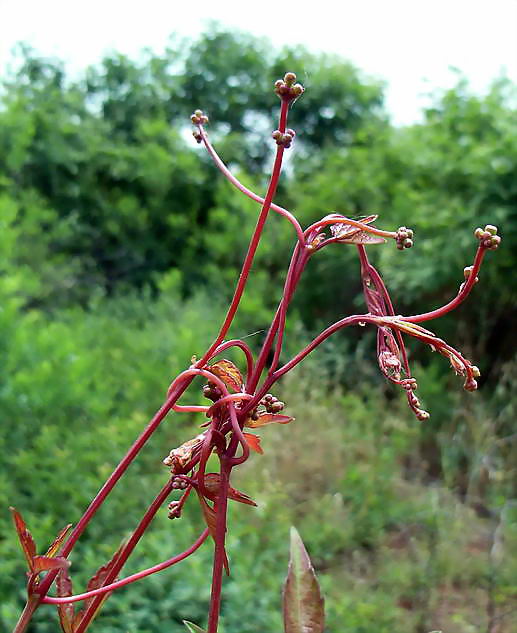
{"x": 296, "y": 267}
{"x": 125, "y": 553}
{"x": 220, "y": 552}
{"x": 460, "y": 297}
{"x": 350, "y": 320}
{"x": 179, "y": 386}
{"x": 26, "y": 615}
{"x": 228, "y": 174}
{"x": 252, "y": 249}
{"x": 339, "y": 219}
{"x": 133, "y": 578}
{"x": 245, "y": 348}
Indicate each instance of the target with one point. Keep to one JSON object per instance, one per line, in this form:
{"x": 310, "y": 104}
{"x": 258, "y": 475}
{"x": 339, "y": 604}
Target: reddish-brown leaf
{"x": 58, "y": 541}
{"x": 302, "y": 600}
{"x": 213, "y": 484}
{"x": 210, "y": 516}
{"x": 268, "y": 418}
{"x": 254, "y": 442}
{"x": 228, "y": 373}
{"x": 25, "y": 537}
{"x": 46, "y": 563}
{"x": 65, "y": 611}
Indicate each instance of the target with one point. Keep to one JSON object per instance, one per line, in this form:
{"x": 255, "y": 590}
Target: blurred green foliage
{"x": 119, "y": 246}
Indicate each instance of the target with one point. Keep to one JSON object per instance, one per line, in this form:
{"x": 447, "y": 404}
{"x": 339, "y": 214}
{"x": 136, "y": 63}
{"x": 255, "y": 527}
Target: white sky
{"x": 409, "y": 43}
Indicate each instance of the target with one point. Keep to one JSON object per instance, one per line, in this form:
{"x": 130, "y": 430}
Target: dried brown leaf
{"x": 228, "y": 373}
{"x": 210, "y": 516}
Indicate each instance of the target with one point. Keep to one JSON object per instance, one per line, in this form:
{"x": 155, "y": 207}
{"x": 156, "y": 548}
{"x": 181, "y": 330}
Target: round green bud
{"x": 490, "y": 228}
{"x": 478, "y": 233}
{"x": 289, "y": 78}
{"x": 297, "y": 89}
{"x": 198, "y": 113}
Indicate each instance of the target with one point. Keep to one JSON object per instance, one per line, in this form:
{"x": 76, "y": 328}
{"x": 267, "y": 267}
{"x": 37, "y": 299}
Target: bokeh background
{"x": 120, "y": 245}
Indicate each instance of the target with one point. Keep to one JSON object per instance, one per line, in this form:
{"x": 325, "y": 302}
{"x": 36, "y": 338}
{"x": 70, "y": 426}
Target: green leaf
{"x": 193, "y": 628}
{"x": 302, "y": 599}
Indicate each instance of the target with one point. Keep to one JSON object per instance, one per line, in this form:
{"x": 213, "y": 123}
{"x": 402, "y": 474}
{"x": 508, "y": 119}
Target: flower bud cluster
{"x": 174, "y": 508}
{"x": 212, "y": 392}
{"x": 199, "y": 118}
{"x": 409, "y": 384}
{"x": 178, "y": 483}
{"x": 284, "y": 140}
{"x": 197, "y": 135}
{"x": 287, "y": 88}
{"x": 404, "y": 238}
{"x": 272, "y": 404}
{"x": 488, "y": 237}
{"x": 467, "y": 271}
